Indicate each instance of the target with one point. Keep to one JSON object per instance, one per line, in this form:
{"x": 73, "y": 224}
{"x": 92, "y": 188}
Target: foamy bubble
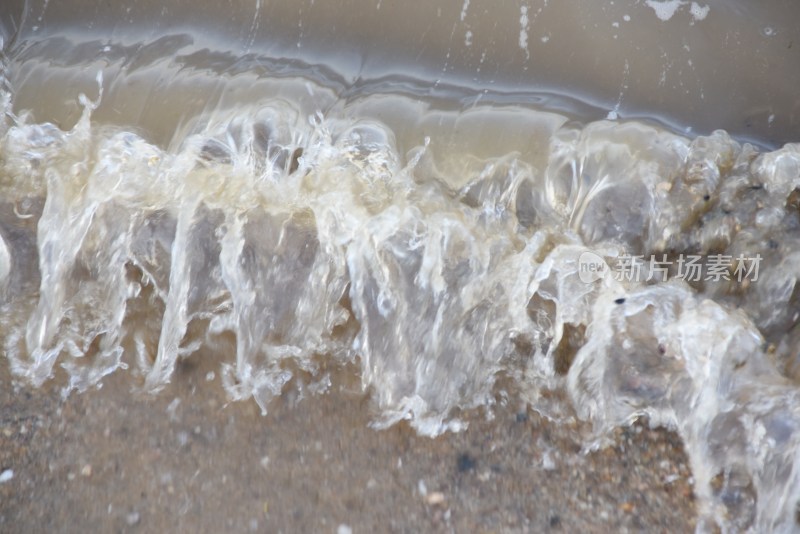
{"x": 699, "y": 12}
{"x": 665, "y": 9}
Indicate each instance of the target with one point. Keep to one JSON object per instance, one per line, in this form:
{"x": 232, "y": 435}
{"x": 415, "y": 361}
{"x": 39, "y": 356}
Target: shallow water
{"x": 440, "y": 207}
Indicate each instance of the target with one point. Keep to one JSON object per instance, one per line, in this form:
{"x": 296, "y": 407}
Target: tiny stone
{"x": 265, "y": 462}
{"x": 344, "y": 529}
{"x": 548, "y": 464}
{"x": 6, "y": 475}
{"x": 627, "y": 507}
{"x": 132, "y": 518}
{"x": 437, "y": 497}
{"x": 86, "y": 471}
{"x": 465, "y": 462}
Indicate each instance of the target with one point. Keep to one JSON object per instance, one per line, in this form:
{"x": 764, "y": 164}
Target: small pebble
{"x": 6, "y": 475}
{"x": 627, "y": 507}
{"x": 86, "y": 471}
{"x": 465, "y": 462}
{"x": 133, "y": 518}
{"x": 437, "y": 497}
{"x": 669, "y": 479}
{"x": 344, "y": 529}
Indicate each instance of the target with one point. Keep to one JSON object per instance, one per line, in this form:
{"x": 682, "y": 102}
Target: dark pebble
{"x": 465, "y": 463}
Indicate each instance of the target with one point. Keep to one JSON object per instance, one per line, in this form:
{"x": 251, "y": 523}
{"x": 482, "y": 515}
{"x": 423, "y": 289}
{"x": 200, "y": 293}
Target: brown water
{"x": 732, "y": 67}
{"x": 436, "y": 197}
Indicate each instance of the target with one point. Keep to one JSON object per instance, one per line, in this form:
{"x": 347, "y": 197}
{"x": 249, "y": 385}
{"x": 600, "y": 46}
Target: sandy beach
{"x": 112, "y": 460}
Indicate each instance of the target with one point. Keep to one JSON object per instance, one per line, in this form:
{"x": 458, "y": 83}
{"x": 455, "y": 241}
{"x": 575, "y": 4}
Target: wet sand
{"x": 112, "y": 460}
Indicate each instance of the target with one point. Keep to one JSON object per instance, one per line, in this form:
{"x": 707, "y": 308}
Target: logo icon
{"x": 591, "y": 267}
